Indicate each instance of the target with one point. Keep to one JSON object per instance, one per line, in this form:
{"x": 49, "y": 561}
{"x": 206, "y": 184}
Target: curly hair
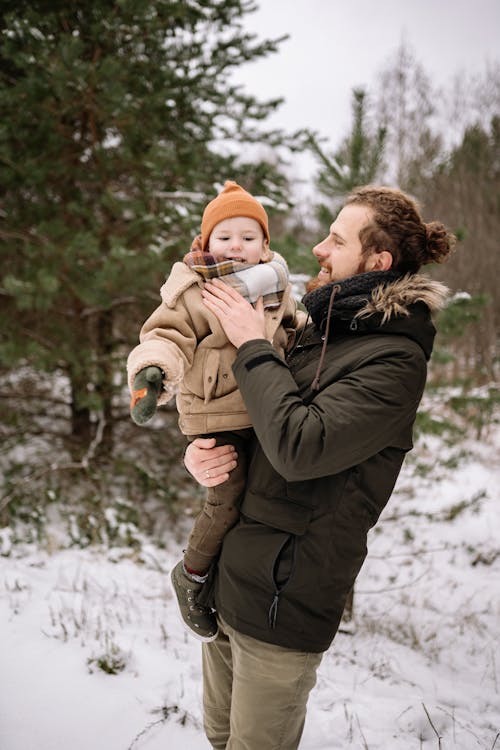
{"x": 397, "y": 226}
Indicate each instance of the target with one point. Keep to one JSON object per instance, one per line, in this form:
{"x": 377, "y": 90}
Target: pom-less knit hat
{"x": 232, "y": 201}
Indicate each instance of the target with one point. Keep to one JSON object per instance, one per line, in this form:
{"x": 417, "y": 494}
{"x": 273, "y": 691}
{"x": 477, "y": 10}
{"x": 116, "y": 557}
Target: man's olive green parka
{"x": 324, "y": 463}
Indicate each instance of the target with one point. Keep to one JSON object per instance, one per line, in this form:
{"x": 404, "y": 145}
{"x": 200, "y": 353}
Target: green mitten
{"x": 148, "y": 384}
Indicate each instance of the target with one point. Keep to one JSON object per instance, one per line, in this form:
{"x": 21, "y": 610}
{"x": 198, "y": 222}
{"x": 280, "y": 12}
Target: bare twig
{"x": 432, "y": 725}
{"x": 165, "y": 711}
{"x": 361, "y": 733}
{"x": 495, "y": 741}
{"x": 35, "y": 397}
{"x": 395, "y": 588}
{"x": 70, "y": 465}
{"x": 460, "y": 724}
{"x": 147, "y": 729}
{"x": 416, "y": 553}
{"x": 494, "y": 670}
{"x": 439, "y": 515}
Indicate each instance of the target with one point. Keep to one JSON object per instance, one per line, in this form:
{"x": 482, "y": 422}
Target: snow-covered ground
{"x": 418, "y": 668}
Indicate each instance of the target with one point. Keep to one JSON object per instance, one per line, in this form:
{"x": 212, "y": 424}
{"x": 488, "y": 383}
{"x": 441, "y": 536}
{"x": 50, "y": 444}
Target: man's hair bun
{"x": 440, "y": 242}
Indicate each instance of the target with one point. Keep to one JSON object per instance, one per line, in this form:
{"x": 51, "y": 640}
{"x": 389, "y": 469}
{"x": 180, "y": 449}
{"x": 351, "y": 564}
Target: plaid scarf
{"x": 267, "y": 280}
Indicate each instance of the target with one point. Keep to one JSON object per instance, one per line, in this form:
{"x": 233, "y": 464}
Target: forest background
{"x": 120, "y": 120}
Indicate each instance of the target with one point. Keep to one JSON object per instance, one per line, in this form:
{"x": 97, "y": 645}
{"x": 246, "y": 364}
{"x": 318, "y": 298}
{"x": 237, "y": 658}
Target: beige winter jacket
{"x": 187, "y": 342}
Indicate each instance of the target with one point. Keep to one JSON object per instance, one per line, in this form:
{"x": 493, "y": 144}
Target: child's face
{"x": 239, "y": 238}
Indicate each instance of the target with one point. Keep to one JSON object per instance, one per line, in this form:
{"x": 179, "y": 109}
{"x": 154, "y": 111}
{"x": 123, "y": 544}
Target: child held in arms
{"x": 184, "y": 350}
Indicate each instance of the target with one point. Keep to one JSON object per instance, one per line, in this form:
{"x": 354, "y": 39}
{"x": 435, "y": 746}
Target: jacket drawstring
{"x": 300, "y": 337}
{"x": 273, "y": 610}
{"x": 315, "y": 383}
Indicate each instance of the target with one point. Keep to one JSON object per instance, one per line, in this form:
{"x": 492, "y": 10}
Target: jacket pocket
{"x": 283, "y": 569}
{"x": 277, "y": 512}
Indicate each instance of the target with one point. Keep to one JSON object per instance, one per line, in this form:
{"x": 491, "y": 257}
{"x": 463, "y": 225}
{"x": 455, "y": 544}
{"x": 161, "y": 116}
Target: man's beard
{"x": 322, "y": 281}
{"x": 315, "y": 284}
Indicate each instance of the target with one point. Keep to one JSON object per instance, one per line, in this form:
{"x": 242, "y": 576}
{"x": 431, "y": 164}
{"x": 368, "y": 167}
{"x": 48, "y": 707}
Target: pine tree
{"x": 119, "y": 120}
{"x": 356, "y": 162}
{"x": 464, "y": 190}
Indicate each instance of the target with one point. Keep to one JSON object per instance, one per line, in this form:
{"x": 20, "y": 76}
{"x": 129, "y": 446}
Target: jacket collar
{"x": 401, "y": 306}
{"x": 396, "y": 298}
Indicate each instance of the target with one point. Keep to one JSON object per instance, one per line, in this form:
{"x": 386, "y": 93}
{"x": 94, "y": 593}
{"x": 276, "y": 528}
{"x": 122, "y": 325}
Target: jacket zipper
{"x": 278, "y": 590}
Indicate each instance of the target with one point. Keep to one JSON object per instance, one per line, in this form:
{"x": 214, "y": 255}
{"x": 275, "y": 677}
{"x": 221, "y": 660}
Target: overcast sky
{"x": 335, "y": 45}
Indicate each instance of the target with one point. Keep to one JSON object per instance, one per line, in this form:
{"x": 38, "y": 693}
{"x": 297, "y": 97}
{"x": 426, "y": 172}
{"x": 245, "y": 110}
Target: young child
{"x": 184, "y": 350}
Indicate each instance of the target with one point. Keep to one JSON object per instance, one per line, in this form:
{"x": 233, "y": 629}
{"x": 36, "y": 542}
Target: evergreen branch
{"x": 180, "y": 194}
{"x": 330, "y": 163}
{"x": 88, "y": 311}
{"x": 24, "y": 236}
{"x": 39, "y": 339}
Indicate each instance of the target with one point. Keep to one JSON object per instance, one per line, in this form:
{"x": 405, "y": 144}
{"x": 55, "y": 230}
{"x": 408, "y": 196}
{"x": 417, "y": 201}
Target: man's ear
{"x": 380, "y": 261}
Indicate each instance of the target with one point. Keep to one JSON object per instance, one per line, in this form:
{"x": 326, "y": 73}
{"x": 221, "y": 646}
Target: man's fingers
{"x": 222, "y": 290}
{"x": 208, "y": 464}
{"x": 211, "y": 452}
{"x": 222, "y": 466}
{"x": 218, "y": 292}
{"x": 205, "y": 442}
{"x": 211, "y": 476}
{"x": 215, "y": 481}
{"x": 215, "y": 305}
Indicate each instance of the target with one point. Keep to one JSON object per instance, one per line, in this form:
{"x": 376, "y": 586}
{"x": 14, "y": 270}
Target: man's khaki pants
{"x": 255, "y": 694}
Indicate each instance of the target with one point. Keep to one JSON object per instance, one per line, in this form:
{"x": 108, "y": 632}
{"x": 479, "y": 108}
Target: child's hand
{"x": 147, "y": 387}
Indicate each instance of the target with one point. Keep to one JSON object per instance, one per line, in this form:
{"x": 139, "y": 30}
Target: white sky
{"x": 336, "y": 45}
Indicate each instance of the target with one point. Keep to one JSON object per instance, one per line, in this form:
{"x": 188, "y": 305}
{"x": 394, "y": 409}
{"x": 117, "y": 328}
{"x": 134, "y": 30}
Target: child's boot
{"x": 199, "y": 620}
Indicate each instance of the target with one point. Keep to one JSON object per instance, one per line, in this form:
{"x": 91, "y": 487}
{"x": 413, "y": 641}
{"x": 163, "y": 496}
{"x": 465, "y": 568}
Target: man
{"x": 332, "y": 424}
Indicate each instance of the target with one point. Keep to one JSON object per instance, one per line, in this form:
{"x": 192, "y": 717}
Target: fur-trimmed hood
{"x": 396, "y": 298}
{"x": 404, "y": 307}
{"x": 378, "y": 303}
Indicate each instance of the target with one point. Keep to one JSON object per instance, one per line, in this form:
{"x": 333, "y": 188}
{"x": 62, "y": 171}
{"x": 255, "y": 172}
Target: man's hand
{"x": 147, "y": 387}
{"x": 209, "y": 465}
{"x": 240, "y": 321}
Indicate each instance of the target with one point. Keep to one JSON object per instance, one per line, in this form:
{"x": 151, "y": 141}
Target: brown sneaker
{"x": 200, "y": 621}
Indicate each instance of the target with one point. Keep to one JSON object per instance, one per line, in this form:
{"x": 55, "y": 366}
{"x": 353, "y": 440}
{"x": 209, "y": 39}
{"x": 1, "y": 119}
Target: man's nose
{"x": 319, "y": 250}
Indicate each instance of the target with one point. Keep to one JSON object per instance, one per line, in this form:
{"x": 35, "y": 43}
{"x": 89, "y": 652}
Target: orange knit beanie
{"x": 232, "y": 201}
